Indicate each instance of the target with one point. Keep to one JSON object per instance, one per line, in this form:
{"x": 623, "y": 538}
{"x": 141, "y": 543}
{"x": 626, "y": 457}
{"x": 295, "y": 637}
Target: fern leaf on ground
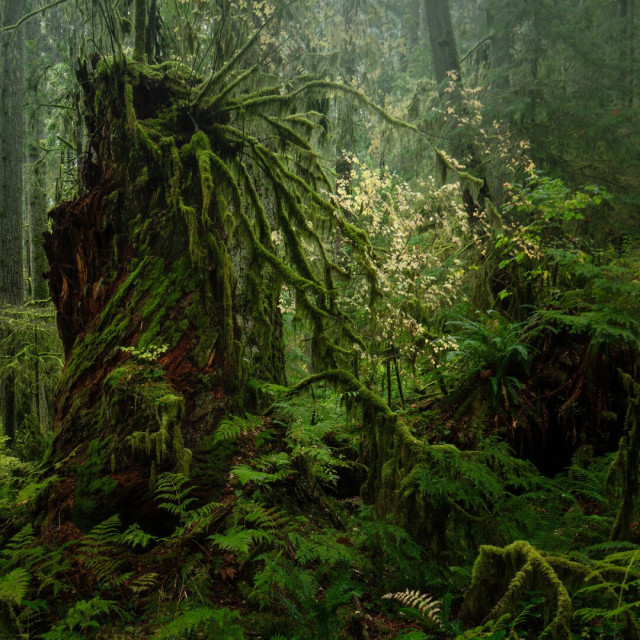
{"x": 426, "y": 605}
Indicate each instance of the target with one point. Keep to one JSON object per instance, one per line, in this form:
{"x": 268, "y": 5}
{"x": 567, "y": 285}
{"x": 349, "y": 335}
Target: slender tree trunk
{"x": 36, "y": 199}
{"x": 140, "y": 26}
{"x": 36, "y": 208}
{"x": 150, "y": 37}
{"x": 413, "y": 21}
{"x": 11, "y": 162}
{"x": 11, "y": 155}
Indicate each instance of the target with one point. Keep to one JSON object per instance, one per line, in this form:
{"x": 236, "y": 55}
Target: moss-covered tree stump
{"x": 166, "y": 279}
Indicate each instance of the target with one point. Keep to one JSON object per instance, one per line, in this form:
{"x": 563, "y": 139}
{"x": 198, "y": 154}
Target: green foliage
{"x": 613, "y": 584}
{"x": 20, "y": 482}
{"x": 239, "y": 540}
{"x": 500, "y": 629}
{"x": 172, "y": 493}
{"x": 219, "y": 623}
{"x": 232, "y": 428}
{"x": 253, "y": 524}
{"x": 389, "y": 554}
{"x": 83, "y": 616}
{"x": 134, "y": 537}
{"x": 98, "y": 552}
{"x": 487, "y": 493}
{"x": 298, "y": 591}
{"x": 14, "y": 585}
{"x": 493, "y": 349}
{"x": 601, "y": 301}
{"x": 30, "y": 361}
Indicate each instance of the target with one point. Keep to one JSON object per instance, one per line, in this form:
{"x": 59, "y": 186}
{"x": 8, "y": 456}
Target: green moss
{"x": 510, "y": 572}
{"x": 132, "y": 120}
{"x": 624, "y": 470}
{"x": 196, "y": 250}
{"x": 93, "y": 485}
{"x": 220, "y": 257}
{"x": 156, "y": 403}
{"x": 144, "y": 138}
{"x": 139, "y": 46}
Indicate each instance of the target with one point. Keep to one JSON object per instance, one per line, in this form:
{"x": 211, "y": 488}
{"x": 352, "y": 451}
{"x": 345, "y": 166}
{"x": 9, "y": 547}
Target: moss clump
{"x": 510, "y": 572}
{"x": 165, "y": 441}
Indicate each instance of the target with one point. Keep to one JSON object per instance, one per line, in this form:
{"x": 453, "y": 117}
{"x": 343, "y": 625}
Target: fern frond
{"x": 415, "y": 599}
{"x": 134, "y": 537}
{"x": 98, "y": 551}
{"x": 611, "y": 546}
{"x": 172, "y": 492}
{"x": 14, "y": 585}
{"x": 21, "y": 549}
{"x": 239, "y": 540}
{"x": 144, "y": 583}
{"x": 232, "y": 428}
{"x": 266, "y": 517}
{"x": 246, "y": 474}
{"x": 196, "y": 521}
{"x": 104, "y": 533}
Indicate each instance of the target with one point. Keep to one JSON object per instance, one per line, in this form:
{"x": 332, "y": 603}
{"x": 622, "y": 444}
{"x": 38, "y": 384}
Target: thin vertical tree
{"x": 11, "y": 153}
{"x": 11, "y": 162}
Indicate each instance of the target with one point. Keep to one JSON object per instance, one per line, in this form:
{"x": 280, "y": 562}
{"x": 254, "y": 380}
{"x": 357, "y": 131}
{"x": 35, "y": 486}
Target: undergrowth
{"x": 280, "y": 554}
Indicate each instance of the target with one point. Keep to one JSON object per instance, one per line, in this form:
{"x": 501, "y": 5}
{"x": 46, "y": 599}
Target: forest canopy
{"x": 319, "y": 321}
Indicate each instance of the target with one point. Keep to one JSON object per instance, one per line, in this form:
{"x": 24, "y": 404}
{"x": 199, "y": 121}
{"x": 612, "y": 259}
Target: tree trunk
{"x": 11, "y": 155}
{"x": 444, "y": 51}
{"x": 500, "y": 57}
{"x": 150, "y": 37}
{"x": 36, "y": 198}
{"x": 11, "y": 161}
{"x": 140, "y": 30}
{"x": 163, "y": 311}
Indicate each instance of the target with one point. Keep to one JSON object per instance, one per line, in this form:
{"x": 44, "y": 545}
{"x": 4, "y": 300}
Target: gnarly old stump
{"x": 163, "y": 307}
